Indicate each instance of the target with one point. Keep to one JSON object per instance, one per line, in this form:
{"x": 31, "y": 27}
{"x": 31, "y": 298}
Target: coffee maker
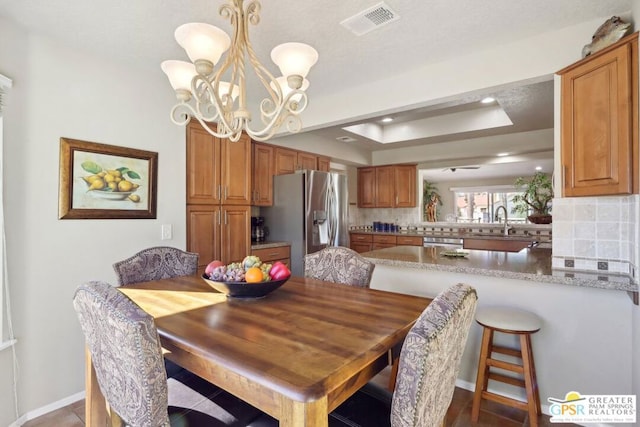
{"x": 258, "y": 232}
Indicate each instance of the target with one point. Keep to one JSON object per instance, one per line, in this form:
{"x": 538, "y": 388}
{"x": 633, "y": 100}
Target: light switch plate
{"x": 167, "y": 232}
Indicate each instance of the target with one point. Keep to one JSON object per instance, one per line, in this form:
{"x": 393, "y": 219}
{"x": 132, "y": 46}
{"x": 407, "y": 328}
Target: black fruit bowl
{"x": 244, "y": 290}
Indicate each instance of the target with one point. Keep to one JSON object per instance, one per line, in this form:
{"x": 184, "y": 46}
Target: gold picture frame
{"x": 100, "y": 181}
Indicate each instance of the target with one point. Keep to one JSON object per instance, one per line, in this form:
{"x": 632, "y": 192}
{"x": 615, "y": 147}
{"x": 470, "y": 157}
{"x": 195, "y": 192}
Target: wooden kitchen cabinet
{"x": 307, "y": 161}
{"x": 381, "y": 241}
{"x": 387, "y": 186}
{"x": 367, "y": 187}
{"x": 324, "y": 164}
{"x": 218, "y": 196}
{"x": 218, "y": 170}
{"x": 262, "y": 174}
{"x": 289, "y": 161}
{"x": 286, "y": 161}
{"x": 271, "y": 255}
{"x": 409, "y": 240}
{"x": 405, "y": 186}
{"x": 599, "y": 122}
{"x": 360, "y": 242}
{"x": 218, "y": 232}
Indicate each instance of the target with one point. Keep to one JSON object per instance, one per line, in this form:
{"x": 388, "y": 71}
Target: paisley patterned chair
{"x": 125, "y": 349}
{"x": 340, "y": 265}
{"x": 155, "y": 263}
{"x": 428, "y": 367}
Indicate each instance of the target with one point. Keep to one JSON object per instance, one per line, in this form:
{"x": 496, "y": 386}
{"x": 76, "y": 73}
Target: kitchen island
{"x": 585, "y": 343}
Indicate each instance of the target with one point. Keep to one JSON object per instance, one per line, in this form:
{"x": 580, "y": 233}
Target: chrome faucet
{"x": 506, "y": 224}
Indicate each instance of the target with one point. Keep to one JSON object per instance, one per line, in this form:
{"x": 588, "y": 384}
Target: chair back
{"x": 160, "y": 262}
{"x": 340, "y": 265}
{"x": 430, "y": 359}
{"x": 126, "y": 354}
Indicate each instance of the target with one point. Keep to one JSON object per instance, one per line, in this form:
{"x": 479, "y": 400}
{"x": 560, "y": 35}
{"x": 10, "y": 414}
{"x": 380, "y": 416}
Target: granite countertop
{"x": 268, "y": 244}
{"x": 528, "y": 264}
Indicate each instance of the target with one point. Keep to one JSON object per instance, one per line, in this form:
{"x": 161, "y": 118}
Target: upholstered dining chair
{"x": 340, "y": 265}
{"x": 125, "y": 350}
{"x": 428, "y": 367}
{"x": 160, "y": 262}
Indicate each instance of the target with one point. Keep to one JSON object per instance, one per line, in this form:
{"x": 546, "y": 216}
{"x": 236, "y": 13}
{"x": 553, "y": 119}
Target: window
{"x": 5, "y": 84}
{"x": 480, "y": 205}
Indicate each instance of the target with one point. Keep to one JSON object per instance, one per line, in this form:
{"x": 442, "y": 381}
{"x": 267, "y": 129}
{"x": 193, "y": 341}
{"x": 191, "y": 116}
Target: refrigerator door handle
{"x": 331, "y": 214}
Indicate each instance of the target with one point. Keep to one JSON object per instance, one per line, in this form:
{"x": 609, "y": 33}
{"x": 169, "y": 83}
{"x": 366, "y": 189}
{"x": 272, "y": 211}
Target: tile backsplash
{"x": 596, "y": 233}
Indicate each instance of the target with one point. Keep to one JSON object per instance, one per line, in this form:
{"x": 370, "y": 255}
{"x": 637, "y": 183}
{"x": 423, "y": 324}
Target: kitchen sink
{"x": 497, "y": 243}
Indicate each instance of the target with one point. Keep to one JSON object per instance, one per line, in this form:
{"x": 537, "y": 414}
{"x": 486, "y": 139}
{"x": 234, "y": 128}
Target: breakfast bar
{"x": 587, "y": 319}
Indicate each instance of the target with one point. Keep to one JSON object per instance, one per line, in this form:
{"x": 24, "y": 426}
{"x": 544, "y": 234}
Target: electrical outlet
{"x": 167, "y": 232}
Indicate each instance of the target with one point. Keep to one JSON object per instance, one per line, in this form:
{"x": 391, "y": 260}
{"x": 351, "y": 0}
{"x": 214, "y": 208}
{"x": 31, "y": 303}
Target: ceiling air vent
{"x": 346, "y": 139}
{"x": 370, "y": 19}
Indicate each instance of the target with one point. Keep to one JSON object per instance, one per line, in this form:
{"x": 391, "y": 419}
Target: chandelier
{"x": 217, "y": 97}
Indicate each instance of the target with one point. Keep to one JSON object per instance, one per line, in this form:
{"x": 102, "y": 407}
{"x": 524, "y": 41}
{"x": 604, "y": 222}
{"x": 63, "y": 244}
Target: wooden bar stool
{"x": 508, "y": 321}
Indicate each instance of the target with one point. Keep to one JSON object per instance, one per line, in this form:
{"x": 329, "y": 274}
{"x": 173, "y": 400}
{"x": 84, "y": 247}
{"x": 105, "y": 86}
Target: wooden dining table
{"x": 295, "y": 354}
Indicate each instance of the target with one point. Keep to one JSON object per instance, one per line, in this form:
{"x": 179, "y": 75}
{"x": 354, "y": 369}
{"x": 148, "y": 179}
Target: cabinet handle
{"x": 273, "y": 254}
{"x": 225, "y": 218}
{"x": 218, "y": 217}
{"x": 219, "y": 191}
{"x": 226, "y": 192}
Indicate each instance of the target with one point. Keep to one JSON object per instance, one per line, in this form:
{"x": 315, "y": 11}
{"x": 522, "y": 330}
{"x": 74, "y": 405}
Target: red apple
{"x": 279, "y": 271}
{"x": 212, "y": 265}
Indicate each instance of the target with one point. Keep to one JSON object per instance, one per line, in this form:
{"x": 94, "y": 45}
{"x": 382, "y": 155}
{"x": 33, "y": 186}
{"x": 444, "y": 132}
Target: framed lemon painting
{"x": 100, "y": 181}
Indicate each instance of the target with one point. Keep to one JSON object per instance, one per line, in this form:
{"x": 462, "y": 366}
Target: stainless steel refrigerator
{"x": 310, "y": 210}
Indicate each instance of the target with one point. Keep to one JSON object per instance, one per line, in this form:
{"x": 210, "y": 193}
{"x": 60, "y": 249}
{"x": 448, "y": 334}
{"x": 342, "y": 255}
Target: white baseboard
{"x": 472, "y": 387}
{"x": 48, "y": 408}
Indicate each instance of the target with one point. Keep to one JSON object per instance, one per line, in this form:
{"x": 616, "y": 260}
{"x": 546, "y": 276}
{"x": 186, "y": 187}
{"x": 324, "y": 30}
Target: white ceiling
{"x": 140, "y": 32}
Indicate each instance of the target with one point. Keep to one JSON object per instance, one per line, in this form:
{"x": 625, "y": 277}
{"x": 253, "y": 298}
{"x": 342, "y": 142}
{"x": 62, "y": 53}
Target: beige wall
{"x": 58, "y": 92}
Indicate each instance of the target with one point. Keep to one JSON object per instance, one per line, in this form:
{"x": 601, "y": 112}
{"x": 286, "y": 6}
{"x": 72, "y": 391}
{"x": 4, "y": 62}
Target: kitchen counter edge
{"x": 267, "y": 245}
{"x": 618, "y": 282}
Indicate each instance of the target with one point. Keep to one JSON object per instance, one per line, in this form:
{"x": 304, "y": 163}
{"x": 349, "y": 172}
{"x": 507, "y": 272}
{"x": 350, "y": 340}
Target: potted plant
{"x": 536, "y": 195}
{"x": 430, "y": 200}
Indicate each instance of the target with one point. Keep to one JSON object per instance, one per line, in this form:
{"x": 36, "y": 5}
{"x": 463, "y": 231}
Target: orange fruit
{"x": 253, "y": 275}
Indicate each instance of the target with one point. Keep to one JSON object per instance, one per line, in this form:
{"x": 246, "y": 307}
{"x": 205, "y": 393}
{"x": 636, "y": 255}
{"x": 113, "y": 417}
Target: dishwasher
{"x": 450, "y": 243}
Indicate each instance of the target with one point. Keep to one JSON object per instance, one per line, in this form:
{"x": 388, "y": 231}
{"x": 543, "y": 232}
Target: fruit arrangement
{"x": 250, "y": 270}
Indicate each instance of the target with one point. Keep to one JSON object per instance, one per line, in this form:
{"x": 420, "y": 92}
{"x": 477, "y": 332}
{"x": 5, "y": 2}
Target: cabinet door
{"x": 324, "y": 164}
{"x": 203, "y": 171}
{"x": 361, "y": 247}
{"x": 405, "y": 178}
{"x": 385, "y": 187}
{"x": 286, "y": 161}
{"x": 203, "y": 233}
{"x": 235, "y": 241}
{"x": 599, "y": 98}
{"x": 366, "y": 187}
{"x": 307, "y": 161}
{"x": 262, "y": 175}
{"x": 235, "y": 159}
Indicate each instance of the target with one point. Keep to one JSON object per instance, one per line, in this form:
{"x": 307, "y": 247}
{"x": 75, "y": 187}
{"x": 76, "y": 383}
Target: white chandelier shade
{"x": 203, "y": 92}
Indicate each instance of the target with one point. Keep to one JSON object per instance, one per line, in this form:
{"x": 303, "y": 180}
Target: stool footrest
{"x": 507, "y": 380}
{"x": 508, "y": 351}
{"x": 505, "y": 400}
{"x": 507, "y": 366}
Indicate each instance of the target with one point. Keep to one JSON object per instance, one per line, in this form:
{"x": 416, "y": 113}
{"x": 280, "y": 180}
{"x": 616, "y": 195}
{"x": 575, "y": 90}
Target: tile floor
{"x": 459, "y": 414}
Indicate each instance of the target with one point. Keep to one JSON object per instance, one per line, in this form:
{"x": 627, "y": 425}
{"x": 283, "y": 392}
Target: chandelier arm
{"x": 288, "y": 110}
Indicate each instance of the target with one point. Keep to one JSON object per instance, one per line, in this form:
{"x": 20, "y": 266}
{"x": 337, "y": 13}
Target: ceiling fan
{"x": 453, "y": 169}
